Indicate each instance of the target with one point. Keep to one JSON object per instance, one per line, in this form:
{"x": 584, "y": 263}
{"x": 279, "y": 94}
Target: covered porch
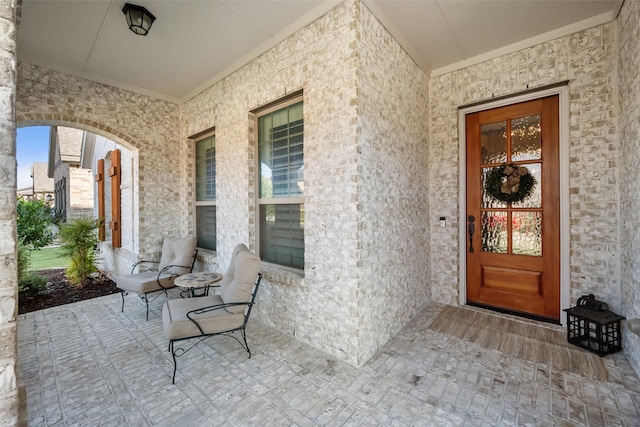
{"x": 347, "y": 338}
{"x": 88, "y": 363}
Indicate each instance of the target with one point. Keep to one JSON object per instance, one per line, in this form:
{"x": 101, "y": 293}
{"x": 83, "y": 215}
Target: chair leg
{"x": 146, "y": 300}
{"x": 175, "y": 362}
{"x": 122, "y": 295}
{"x": 246, "y": 345}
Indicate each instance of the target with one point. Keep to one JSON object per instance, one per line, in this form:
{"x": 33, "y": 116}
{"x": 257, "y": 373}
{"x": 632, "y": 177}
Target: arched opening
{"x": 79, "y": 163}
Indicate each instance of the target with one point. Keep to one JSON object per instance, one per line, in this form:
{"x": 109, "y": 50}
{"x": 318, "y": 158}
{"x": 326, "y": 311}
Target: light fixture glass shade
{"x": 139, "y": 19}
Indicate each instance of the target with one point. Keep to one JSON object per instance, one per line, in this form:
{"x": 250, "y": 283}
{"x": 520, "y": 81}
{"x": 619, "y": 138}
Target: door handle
{"x": 471, "y": 228}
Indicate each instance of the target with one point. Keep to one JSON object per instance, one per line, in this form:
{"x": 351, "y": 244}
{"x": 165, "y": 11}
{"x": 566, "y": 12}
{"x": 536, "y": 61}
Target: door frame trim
{"x": 563, "y": 110}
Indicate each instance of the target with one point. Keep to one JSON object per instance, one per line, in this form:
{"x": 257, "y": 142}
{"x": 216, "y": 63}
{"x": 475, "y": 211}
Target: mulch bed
{"x": 60, "y": 291}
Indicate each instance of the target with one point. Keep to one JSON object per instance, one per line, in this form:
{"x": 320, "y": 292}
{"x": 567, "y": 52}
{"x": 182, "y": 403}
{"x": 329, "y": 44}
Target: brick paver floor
{"x": 88, "y": 364}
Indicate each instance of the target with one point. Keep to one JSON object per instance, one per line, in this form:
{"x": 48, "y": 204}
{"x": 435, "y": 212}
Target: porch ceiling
{"x": 194, "y": 44}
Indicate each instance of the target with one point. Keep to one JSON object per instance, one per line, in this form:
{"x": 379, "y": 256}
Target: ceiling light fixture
{"x": 139, "y": 19}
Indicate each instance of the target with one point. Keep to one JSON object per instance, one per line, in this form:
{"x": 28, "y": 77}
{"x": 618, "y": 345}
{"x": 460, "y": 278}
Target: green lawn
{"x": 48, "y": 258}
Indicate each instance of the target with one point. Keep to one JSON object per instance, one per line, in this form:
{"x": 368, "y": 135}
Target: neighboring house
{"x": 352, "y": 242}
{"x": 84, "y": 184}
{"x": 25, "y": 193}
{"x": 42, "y": 186}
{"x": 73, "y": 183}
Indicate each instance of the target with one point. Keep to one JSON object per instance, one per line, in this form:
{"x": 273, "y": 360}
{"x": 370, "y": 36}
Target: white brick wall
{"x": 366, "y": 266}
{"x": 628, "y": 55}
{"x": 586, "y": 59}
{"x": 391, "y": 187}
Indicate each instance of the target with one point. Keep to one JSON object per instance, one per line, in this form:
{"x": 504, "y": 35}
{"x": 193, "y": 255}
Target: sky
{"x": 32, "y": 146}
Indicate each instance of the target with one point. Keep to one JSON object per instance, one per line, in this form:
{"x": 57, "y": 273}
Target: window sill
{"x": 276, "y": 275}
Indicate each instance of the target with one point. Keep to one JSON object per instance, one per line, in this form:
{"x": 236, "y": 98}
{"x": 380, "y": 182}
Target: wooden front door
{"x": 513, "y": 248}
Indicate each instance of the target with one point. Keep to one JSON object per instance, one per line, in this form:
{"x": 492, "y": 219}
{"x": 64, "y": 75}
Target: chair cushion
{"x": 228, "y": 276}
{"x": 177, "y": 325}
{"x": 177, "y": 251}
{"x": 144, "y": 282}
{"x": 246, "y": 269}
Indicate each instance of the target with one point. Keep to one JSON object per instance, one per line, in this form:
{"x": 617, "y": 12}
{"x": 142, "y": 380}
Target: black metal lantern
{"x": 139, "y": 19}
{"x": 592, "y": 326}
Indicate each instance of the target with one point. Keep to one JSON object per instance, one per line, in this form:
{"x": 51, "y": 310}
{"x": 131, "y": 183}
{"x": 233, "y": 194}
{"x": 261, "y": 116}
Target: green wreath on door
{"x": 510, "y": 183}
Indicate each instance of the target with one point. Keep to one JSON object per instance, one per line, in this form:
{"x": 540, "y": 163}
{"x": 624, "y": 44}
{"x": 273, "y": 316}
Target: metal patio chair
{"x": 178, "y": 258}
{"x": 222, "y": 314}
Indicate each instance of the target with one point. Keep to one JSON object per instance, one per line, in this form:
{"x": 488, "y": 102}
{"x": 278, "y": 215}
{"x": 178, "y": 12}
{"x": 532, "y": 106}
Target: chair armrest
{"x": 165, "y": 271}
{"x": 133, "y": 267}
{"x": 166, "y": 267}
{"x": 211, "y": 308}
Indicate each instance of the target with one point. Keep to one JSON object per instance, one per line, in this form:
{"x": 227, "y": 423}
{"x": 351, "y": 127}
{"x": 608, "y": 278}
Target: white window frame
{"x": 196, "y": 139}
{"x": 270, "y": 108}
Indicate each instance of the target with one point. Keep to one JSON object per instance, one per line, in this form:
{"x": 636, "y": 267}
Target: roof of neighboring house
{"x": 70, "y": 142}
{"x": 26, "y": 191}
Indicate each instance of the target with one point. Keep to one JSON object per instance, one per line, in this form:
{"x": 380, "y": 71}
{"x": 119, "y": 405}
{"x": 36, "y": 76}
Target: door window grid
{"x": 513, "y": 230}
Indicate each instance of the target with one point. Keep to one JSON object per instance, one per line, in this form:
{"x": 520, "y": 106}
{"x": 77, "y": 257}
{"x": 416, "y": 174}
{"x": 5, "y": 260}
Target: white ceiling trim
{"x": 524, "y": 44}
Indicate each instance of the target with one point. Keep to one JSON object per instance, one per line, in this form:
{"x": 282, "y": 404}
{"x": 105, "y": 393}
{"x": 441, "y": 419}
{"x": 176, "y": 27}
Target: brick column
{"x": 8, "y": 258}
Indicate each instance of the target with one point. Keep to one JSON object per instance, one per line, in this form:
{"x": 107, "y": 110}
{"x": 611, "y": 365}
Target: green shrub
{"x": 33, "y": 221}
{"x": 31, "y": 284}
{"x": 24, "y": 261}
{"x": 80, "y": 242}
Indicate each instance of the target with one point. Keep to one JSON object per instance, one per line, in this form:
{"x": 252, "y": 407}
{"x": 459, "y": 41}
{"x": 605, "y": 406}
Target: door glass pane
{"x": 493, "y": 142}
{"x": 487, "y": 200}
{"x": 525, "y": 138}
{"x": 535, "y": 200}
{"x": 527, "y": 233}
{"x": 494, "y": 232}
